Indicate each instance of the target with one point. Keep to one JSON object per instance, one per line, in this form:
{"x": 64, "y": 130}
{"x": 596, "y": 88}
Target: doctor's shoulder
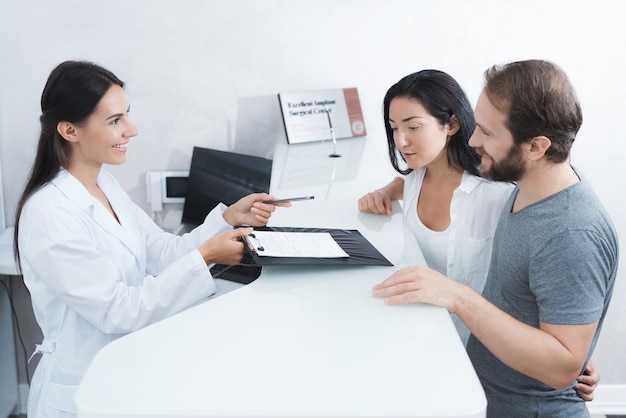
{"x": 51, "y": 204}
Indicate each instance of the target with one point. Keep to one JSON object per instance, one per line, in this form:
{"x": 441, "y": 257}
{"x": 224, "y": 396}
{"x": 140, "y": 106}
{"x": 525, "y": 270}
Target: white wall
{"x": 187, "y": 61}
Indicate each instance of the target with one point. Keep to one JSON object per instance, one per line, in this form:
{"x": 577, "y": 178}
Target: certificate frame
{"x": 315, "y": 115}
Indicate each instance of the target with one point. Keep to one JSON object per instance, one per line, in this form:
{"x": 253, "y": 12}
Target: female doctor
{"x": 95, "y": 264}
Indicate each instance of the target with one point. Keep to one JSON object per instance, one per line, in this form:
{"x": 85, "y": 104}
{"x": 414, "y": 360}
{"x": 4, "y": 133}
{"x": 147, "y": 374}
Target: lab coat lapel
{"x": 102, "y": 216}
{"x": 126, "y": 230}
{"x": 76, "y": 192}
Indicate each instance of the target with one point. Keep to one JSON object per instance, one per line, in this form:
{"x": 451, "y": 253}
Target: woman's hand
{"x": 250, "y": 210}
{"x": 376, "y": 202}
{"x": 225, "y": 248}
{"x": 379, "y": 201}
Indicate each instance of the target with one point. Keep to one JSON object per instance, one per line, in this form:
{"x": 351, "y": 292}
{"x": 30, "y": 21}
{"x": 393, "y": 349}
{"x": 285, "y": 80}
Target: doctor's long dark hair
{"x": 71, "y": 94}
{"x": 442, "y": 97}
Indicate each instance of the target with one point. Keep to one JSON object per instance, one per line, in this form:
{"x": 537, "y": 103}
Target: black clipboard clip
{"x": 254, "y": 243}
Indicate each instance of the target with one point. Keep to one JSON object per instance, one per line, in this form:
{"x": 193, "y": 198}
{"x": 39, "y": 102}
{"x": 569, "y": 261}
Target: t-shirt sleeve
{"x": 570, "y": 278}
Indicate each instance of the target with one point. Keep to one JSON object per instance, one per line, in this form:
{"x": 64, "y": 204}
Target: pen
{"x": 292, "y": 199}
{"x": 332, "y": 134}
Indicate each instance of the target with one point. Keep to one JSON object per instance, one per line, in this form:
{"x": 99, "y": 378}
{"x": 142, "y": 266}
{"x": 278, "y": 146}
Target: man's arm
{"x": 552, "y": 354}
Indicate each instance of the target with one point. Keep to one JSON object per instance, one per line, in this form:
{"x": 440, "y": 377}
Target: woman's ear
{"x": 454, "y": 125}
{"x": 67, "y": 131}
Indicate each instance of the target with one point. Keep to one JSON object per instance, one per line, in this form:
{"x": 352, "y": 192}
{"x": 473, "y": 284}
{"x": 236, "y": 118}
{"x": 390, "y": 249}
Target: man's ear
{"x": 68, "y": 131}
{"x": 538, "y": 147}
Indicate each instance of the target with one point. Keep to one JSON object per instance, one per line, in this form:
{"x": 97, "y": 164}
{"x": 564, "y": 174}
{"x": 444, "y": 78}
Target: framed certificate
{"x": 317, "y": 115}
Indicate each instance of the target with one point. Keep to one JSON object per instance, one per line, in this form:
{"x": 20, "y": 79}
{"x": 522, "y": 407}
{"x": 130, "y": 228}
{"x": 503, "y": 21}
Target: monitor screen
{"x": 175, "y": 186}
{"x": 221, "y": 176}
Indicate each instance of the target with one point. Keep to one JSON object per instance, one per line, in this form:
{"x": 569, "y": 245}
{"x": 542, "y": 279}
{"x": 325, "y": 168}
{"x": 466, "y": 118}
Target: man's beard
{"x": 510, "y": 169}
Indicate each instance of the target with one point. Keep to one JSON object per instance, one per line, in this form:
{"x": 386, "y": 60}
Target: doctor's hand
{"x": 376, "y": 202}
{"x": 421, "y": 284}
{"x": 225, "y": 248}
{"x": 587, "y": 382}
{"x": 250, "y": 210}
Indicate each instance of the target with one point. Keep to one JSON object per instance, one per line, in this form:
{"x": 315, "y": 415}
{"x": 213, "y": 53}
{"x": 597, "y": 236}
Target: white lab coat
{"x": 92, "y": 279}
{"x": 474, "y": 213}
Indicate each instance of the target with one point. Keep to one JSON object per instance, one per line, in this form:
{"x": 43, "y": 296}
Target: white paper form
{"x": 295, "y": 244}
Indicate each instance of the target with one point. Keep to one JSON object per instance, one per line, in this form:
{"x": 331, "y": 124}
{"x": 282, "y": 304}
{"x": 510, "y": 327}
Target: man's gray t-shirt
{"x": 554, "y": 261}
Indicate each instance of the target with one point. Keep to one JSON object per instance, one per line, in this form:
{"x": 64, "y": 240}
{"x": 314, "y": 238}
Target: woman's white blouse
{"x": 474, "y": 213}
{"x": 92, "y": 279}
{"x": 434, "y": 244}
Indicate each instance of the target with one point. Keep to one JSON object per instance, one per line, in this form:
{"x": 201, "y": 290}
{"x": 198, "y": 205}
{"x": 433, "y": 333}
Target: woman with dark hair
{"x": 95, "y": 264}
{"x": 450, "y": 209}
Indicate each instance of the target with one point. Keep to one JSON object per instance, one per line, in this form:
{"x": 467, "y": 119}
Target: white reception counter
{"x": 299, "y": 341}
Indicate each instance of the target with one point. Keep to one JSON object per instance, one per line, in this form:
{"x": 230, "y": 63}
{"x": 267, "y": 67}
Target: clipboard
{"x": 360, "y": 251}
{"x": 245, "y": 272}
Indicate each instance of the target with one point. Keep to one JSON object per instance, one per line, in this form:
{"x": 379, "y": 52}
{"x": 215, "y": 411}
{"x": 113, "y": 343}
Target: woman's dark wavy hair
{"x": 442, "y": 97}
{"x": 71, "y": 94}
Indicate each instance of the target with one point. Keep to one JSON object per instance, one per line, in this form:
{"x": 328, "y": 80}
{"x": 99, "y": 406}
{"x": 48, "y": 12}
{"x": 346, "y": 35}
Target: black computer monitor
{"x": 221, "y": 176}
